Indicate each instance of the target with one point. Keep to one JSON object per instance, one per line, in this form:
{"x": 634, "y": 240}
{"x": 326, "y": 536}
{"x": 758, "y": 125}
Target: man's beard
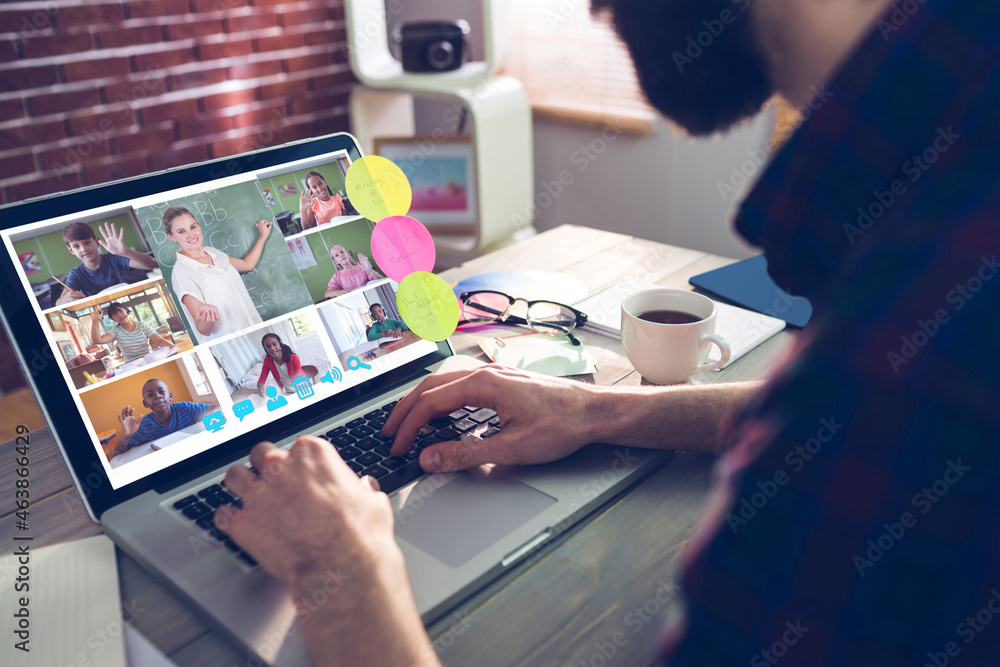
{"x": 697, "y": 60}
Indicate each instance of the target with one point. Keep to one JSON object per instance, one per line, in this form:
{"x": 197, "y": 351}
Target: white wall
{"x": 664, "y": 187}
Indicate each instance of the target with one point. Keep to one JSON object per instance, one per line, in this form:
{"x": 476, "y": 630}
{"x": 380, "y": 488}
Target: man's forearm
{"x": 384, "y": 626}
{"x": 689, "y": 417}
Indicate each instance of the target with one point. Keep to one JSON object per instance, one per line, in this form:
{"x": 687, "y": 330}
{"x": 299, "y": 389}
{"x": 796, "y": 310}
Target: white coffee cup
{"x": 670, "y": 353}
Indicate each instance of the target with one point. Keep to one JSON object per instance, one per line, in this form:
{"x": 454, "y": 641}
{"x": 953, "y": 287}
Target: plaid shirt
{"x": 857, "y": 516}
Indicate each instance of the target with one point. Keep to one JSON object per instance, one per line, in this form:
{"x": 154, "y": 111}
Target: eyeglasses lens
{"x": 485, "y": 307}
{"x": 551, "y": 318}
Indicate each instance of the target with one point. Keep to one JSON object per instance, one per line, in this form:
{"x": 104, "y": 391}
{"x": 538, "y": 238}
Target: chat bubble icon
{"x": 242, "y": 409}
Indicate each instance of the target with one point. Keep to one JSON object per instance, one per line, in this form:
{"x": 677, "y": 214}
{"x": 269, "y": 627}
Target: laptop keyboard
{"x": 365, "y": 450}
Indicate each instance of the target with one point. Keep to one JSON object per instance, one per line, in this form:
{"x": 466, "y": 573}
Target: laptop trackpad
{"x": 466, "y": 515}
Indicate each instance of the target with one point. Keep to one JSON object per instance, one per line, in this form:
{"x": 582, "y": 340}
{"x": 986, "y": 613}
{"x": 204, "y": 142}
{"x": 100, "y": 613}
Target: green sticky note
{"x": 427, "y": 305}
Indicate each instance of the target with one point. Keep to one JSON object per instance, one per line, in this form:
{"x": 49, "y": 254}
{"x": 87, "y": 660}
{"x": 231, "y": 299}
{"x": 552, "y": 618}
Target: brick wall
{"x": 94, "y": 91}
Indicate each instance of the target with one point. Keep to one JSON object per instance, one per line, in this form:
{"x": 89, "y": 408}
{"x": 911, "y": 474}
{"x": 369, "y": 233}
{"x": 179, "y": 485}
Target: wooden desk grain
{"x": 604, "y": 588}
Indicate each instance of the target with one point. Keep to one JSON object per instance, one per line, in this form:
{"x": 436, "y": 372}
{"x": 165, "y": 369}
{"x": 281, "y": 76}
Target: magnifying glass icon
{"x": 354, "y": 364}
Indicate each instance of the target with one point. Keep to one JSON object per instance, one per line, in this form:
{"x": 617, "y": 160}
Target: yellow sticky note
{"x": 378, "y": 188}
{"x": 427, "y": 305}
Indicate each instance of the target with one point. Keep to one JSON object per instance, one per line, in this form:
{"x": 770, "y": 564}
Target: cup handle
{"x": 723, "y": 348}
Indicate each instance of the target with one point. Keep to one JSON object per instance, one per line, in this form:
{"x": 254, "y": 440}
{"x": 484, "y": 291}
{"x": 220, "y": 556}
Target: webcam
{"x": 431, "y": 46}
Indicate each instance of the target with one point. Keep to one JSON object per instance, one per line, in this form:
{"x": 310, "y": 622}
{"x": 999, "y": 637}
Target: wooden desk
{"x": 605, "y": 584}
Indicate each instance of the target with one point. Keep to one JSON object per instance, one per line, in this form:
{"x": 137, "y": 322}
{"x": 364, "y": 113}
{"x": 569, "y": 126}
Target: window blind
{"x": 574, "y": 67}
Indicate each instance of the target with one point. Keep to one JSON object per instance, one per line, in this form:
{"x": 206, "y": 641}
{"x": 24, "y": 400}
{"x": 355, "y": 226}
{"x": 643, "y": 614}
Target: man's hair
{"x": 78, "y": 231}
{"x": 172, "y": 214}
{"x": 371, "y": 308}
{"x": 114, "y": 308}
{"x": 704, "y": 89}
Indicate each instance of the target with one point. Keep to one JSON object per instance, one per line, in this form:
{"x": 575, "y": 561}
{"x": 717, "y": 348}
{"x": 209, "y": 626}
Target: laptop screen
{"x": 183, "y": 318}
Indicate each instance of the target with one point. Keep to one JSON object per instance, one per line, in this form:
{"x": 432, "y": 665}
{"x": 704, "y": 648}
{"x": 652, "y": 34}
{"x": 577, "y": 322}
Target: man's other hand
{"x": 328, "y": 535}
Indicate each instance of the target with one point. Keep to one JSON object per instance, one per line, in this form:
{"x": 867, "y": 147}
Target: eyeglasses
{"x": 547, "y": 317}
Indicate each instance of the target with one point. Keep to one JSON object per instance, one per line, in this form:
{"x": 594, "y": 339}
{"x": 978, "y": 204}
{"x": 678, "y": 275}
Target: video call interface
{"x": 188, "y": 318}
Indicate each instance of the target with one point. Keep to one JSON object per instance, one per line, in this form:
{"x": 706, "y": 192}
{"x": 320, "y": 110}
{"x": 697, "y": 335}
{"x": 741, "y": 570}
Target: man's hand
{"x": 114, "y": 239}
{"x": 328, "y": 535}
{"x": 542, "y": 418}
{"x": 129, "y": 421}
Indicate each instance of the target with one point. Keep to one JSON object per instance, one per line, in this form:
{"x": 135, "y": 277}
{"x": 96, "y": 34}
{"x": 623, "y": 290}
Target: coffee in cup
{"x": 667, "y": 334}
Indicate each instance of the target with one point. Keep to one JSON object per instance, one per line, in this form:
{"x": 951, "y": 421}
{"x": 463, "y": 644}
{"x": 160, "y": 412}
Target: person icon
{"x": 275, "y": 402}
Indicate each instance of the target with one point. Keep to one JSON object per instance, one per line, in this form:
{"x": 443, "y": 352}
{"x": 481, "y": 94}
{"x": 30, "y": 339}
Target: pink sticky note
{"x": 402, "y": 245}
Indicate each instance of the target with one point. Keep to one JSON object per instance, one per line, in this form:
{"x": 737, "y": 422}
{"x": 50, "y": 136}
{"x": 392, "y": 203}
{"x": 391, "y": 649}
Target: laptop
{"x": 197, "y": 404}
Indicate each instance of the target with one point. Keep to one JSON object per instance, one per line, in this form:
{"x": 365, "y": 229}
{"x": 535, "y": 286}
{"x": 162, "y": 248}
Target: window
{"x": 574, "y": 66}
{"x": 301, "y": 325}
{"x": 160, "y": 309}
{"x": 196, "y": 374}
{"x": 146, "y": 314}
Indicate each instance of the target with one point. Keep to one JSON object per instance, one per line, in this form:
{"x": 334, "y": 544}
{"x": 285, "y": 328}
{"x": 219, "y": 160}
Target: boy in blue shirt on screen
{"x": 163, "y": 419}
{"x": 98, "y": 272}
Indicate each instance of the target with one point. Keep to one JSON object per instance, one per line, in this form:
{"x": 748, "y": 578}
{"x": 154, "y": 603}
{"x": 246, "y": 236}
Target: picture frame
{"x": 67, "y": 350}
{"x": 56, "y": 322}
{"x": 442, "y": 174}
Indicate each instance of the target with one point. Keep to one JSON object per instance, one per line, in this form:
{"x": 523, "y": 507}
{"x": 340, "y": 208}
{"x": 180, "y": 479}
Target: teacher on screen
{"x": 207, "y": 281}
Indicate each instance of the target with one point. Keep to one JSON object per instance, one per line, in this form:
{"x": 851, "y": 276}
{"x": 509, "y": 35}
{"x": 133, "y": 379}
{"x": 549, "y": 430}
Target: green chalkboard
{"x": 56, "y": 260}
{"x": 227, "y": 217}
{"x": 356, "y": 236}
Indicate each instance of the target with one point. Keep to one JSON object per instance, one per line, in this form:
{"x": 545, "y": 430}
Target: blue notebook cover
{"x": 747, "y": 284}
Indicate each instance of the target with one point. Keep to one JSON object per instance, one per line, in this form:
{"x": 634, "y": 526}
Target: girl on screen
{"x": 318, "y": 204}
{"x": 351, "y": 274}
{"x": 207, "y": 281}
{"x": 283, "y": 364}
{"x": 133, "y": 337}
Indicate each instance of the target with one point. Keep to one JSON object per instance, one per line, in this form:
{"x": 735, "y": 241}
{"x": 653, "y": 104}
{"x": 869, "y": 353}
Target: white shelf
{"x": 499, "y": 119}
{"x": 375, "y": 66}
